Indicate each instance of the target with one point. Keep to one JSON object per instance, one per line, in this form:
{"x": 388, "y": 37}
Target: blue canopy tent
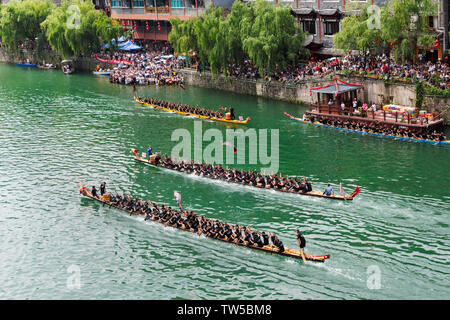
{"x": 129, "y": 46}
{"x": 113, "y": 41}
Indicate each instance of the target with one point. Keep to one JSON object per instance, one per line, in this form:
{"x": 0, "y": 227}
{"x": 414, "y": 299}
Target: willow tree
{"x": 273, "y": 39}
{"x": 77, "y": 28}
{"x": 359, "y": 32}
{"x": 241, "y": 15}
{"x": 182, "y": 37}
{"x": 406, "y": 22}
{"x": 210, "y": 35}
{"x": 268, "y": 35}
{"x": 20, "y": 21}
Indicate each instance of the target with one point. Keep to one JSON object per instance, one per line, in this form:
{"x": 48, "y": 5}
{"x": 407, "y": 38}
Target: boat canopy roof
{"x": 336, "y": 87}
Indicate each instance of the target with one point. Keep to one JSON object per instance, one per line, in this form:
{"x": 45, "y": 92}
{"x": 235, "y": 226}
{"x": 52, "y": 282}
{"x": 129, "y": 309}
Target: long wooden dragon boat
{"x": 192, "y": 114}
{"x": 267, "y": 248}
{"x": 314, "y": 193}
{"x": 446, "y": 142}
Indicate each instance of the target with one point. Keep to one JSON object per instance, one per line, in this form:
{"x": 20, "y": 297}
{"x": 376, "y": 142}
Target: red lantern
{"x": 159, "y": 26}
{"x": 390, "y": 44}
{"x": 350, "y": 52}
{"x": 446, "y": 58}
{"x": 437, "y": 41}
{"x": 146, "y": 26}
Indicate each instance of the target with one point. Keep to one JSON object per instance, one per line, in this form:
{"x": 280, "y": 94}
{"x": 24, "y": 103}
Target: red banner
{"x": 114, "y": 61}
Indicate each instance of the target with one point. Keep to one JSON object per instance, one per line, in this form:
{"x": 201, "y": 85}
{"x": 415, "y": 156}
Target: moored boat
{"x": 152, "y": 161}
{"x": 192, "y": 114}
{"x": 315, "y": 123}
{"x": 105, "y": 199}
{"x": 26, "y": 65}
{"x": 46, "y": 67}
{"x": 101, "y": 73}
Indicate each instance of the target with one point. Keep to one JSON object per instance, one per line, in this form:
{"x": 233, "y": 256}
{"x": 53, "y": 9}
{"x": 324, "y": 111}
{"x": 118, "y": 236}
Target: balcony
{"x": 152, "y": 14}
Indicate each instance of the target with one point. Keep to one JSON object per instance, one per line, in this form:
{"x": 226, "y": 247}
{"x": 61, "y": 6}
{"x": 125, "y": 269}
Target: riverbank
{"x": 85, "y": 64}
{"x": 375, "y": 90}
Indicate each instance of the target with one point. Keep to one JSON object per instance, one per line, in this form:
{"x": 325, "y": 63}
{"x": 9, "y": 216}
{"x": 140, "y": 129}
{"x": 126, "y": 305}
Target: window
{"x": 330, "y": 27}
{"x": 431, "y": 22}
{"x": 138, "y": 3}
{"x": 176, "y": 3}
{"x": 116, "y": 3}
{"x": 309, "y": 26}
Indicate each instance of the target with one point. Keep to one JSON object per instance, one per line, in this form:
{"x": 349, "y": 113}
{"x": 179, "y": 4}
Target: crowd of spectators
{"x": 155, "y": 65}
{"x": 380, "y": 66}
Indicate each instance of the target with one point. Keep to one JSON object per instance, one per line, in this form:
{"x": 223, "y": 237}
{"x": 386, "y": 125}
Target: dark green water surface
{"x": 57, "y": 131}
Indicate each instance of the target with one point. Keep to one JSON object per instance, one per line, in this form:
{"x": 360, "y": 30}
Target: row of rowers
{"x": 379, "y": 128}
{"x": 221, "y": 113}
{"x": 197, "y": 223}
{"x": 235, "y": 175}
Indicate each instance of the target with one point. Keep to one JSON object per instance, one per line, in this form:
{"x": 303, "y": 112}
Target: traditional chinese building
{"x": 149, "y": 19}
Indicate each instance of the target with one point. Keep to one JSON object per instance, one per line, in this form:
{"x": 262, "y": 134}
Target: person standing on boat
{"x": 328, "y": 190}
{"x": 232, "y": 113}
{"x": 301, "y": 244}
{"x": 343, "y": 107}
{"x": 94, "y": 192}
{"x": 103, "y": 188}
{"x": 355, "y": 105}
{"x": 149, "y": 151}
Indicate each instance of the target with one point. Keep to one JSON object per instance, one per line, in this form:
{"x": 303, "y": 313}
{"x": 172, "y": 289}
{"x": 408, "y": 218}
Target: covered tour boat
{"x": 330, "y": 98}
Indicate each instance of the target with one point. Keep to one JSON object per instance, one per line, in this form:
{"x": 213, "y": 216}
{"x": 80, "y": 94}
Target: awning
{"x": 336, "y": 87}
{"x": 303, "y": 11}
{"x": 309, "y": 39}
{"x": 329, "y": 12}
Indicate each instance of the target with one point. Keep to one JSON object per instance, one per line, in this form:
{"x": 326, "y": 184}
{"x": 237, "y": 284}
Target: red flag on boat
{"x": 342, "y": 190}
{"x": 355, "y": 192}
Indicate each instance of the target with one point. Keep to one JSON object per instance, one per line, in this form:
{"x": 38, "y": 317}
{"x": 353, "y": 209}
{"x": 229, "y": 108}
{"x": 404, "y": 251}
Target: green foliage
{"x": 433, "y": 91}
{"x": 419, "y": 94}
{"x": 77, "y": 28}
{"x": 406, "y": 22}
{"x": 273, "y": 40}
{"x": 268, "y": 35}
{"x": 20, "y": 21}
{"x": 356, "y": 35}
{"x": 403, "y": 26}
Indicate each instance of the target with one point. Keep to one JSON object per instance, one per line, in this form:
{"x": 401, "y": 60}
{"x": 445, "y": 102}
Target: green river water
{"x": 57, "y": 131}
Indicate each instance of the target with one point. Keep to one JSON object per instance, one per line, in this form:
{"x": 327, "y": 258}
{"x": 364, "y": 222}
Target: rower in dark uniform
{"x": 276, "y": 242}
{"x": 103, "y": 188}
{"x": 94, "y": 192}
{"x": 231, "y": 113}
{"x": 265, "y": 238}
{"x": 301, "y": 244}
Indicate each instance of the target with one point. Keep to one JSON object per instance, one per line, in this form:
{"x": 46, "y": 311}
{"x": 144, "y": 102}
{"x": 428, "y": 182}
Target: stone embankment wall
{"x": 376, "y": 91}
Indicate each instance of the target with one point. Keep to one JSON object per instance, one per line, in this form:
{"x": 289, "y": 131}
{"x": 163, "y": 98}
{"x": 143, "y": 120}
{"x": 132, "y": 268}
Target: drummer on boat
{"x": 328, "y": 191}
{"x": 301, "y": 244}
